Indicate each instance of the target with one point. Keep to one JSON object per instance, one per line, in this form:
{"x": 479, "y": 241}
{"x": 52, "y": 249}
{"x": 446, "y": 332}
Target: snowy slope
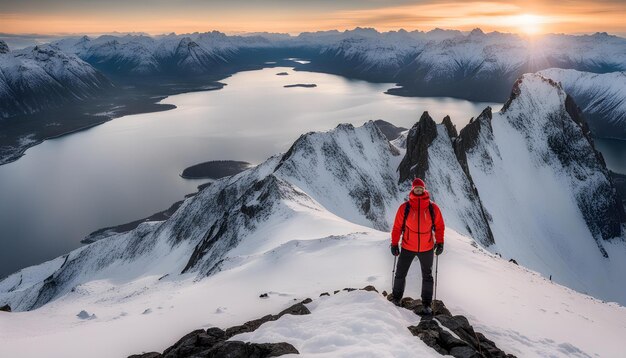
{"x": 602, "y": 98}
{"x": 552, "y": 204}
{"x": 522, "y": 312}
{"x": 316, "y": 219}
{"x": 44, "y": 77}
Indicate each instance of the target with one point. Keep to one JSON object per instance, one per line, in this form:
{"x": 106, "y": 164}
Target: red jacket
{"x": 419, "y": 221}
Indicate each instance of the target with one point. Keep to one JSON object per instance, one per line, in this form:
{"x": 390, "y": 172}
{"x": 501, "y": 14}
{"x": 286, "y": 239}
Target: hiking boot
{"x": 425, "y": 311}
{"x": 395, "y": 300}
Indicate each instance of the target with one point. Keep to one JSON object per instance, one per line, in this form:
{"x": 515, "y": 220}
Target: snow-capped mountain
{"x": 44, "y": 77}
{"x": 526, "y": 183}
{"x": 478, "y": 66}
{"x": 170, "y": 54}
{"x": 529, "y": 179}
{"x": 602, "y": 98}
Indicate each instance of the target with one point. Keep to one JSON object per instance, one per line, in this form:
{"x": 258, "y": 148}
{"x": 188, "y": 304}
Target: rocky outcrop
{"x": 463, "y": 342}
{"x": 214, "y": 342}
{"x": 446, "y": 333}
{"x": 415, "y": 162}
{"x": 5, "y": 308}
{"x": 469, "y": 135}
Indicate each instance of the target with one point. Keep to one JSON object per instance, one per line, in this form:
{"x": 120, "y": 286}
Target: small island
{"x": 214, "y": 169}
{"x": 305, "y": 85}
{"x": 282, "y": 74}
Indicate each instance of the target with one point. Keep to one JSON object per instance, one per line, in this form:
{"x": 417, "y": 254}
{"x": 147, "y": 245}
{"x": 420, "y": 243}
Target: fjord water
{"x": 128, "y": 168}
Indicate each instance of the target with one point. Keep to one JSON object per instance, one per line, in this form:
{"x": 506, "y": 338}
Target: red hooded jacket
{"x": 418, "y": 235}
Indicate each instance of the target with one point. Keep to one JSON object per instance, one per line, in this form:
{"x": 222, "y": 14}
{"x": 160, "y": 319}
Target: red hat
{"x": 418, "y": 182}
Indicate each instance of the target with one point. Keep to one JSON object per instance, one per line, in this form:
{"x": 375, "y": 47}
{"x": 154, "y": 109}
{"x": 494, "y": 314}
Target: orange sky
{"x": 182, "y": 16}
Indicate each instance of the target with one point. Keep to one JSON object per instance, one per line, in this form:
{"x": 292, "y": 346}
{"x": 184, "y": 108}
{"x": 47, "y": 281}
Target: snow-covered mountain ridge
{"x": 602, "y": 98}
{"x": 44, "y": 77}
{"x": 318, "y": 217}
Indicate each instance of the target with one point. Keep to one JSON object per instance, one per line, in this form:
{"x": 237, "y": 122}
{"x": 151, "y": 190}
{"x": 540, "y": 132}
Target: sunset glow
{"x": 184, "y": 16}
{"x": 529, "y": 23}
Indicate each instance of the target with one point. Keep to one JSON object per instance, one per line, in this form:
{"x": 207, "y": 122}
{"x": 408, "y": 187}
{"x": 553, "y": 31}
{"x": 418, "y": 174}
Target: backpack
{"x": 407, "y": 208}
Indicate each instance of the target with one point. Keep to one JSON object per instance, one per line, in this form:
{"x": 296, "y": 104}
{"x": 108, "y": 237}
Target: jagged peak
{"x": 477, "y": 32}
{"x": 306, "y": 140}
{"x": 420, "y": 136}
{"x": 532, "y": 80}
{"x": 450, "y": 127}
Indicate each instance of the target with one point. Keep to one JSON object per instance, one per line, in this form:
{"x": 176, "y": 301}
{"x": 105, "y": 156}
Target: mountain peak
{"x": 535, "y": 85}
{"x": 477, "y": 32}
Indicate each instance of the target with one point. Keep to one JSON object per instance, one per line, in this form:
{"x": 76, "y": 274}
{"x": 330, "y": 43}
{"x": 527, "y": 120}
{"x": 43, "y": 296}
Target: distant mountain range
{"x": 477, "y": 66}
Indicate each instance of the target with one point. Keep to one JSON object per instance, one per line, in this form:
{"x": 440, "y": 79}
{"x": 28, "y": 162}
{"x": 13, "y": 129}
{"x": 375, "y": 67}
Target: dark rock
{"x": 324, "y": 294}
{"x": 335, "y": 292}
{"x": 349, "y": 289}
{"x": 307, "y": 301}
{"x": 468, "y": 137}
{"x": 184, "y": 346}
{"x": 5, "y": 308}
{"x": 429, "y": 335}
{"x": 464, "y": 352}
{"x": 212, "y": 336}
{"x": 264, "y": 295}
{"x": 415, "y": 162}
{"x": 370, "y": 288}
{"x": 236, "y": 349}
{"x": 439, "y": 308}
{"x": 297, "y": 310}
{"x": 411, "y": 304}
{"x": 513, "y": 261}
{"x": 450, "y": 127}
{"x": 249, "y": 326}
{"x": 385, "y": 293}
{"x": 470, "y": 344}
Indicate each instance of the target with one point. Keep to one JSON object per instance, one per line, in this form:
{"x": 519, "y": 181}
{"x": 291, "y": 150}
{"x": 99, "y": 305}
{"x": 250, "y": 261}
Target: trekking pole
{"x": 436, "y": 266}
{"x": 393, "y": 273}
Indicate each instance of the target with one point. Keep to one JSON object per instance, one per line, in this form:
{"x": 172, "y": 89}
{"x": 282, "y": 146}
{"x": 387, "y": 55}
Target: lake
{"x": 128, "y": 168}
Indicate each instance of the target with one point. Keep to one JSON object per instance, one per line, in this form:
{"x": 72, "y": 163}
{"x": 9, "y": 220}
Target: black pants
{"x": 426, "y": 263}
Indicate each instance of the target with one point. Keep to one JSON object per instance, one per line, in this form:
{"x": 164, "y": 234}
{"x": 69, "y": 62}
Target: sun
{"x": 528, "y": 23}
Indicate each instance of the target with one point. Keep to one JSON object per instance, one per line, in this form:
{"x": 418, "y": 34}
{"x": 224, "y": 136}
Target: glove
{"x": 395, "y": 250}
{"x": 438, "y": 249}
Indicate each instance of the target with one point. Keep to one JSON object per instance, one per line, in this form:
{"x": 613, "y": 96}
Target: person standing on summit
{"x": 415, "y": 222}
